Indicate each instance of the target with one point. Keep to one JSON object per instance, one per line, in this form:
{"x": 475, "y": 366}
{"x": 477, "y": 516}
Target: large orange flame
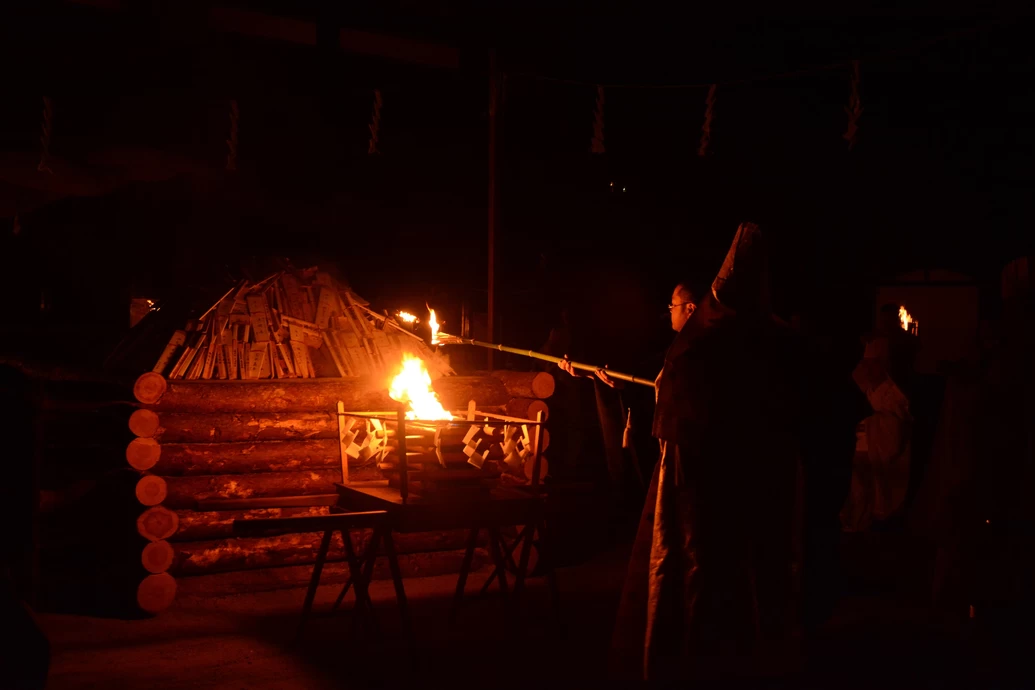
{"x": 412, "y": 385}
{"x": 407, "y": 316}
{"x": 433, "y": 323}
{"x": 909, "y": 325}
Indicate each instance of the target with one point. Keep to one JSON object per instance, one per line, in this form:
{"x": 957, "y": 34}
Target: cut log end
{"x": 527, "y": 408}
{"x": 526, "y": 384}
{"x": 157, "y": 556}
{"x": 144, "y": 423}
{"x": 151, "y": 490}
{"x": 149, "y": 388}
{"x": 143, "y": 453}
{"x": 537, "y": 406}
{"x": 157, "y": 523}
{"x": 156, "y": 592}
{"x": 543, "y": 385}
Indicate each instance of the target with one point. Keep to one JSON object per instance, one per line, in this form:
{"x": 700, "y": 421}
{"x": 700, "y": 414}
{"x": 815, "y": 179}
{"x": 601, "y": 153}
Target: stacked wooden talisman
{"x": 472, "y": 450}
{"x": 293, "y": 324}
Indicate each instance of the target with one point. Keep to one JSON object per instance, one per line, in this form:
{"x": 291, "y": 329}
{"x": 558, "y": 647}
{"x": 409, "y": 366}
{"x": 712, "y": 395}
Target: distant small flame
{"x": 909, "y": 324}
{"x": 412, "y": 385}
{"x": 406, "y": 316}
{"x": 433, "y": 322}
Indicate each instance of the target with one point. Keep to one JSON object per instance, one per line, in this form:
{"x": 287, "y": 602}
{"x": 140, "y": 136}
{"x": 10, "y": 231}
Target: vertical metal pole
{"x": 537, "y": 444}
{"x": 492, "y": 199}
{"x": 403, "y": 470}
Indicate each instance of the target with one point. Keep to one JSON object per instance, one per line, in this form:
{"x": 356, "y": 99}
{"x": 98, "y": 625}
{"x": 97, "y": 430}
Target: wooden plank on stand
{"x": 309, "y": 361}
{"x": 199, "y": 360}
{"x": 260, "y": 324}
{"x": 332, "y": 350}
{"x": 345, "y": 335}
{"x": 363, "y": 329}
{"x": 285, "y": 363}
{"x": 242, "y": 361}
{"x": 294, "y": 295}
{"x": 352, "y": 363}
{"x": 221, "y": 370}
{"x": 326, "y": 307}
{"x": 210, "y": 354}
{"x": 230, "y": 354}
{"x": 301, "y": 359}
{"x": 308, "y": 303}
{"x": 257, "y": 359}
{"x": 344, "y": 428}
{"x": 178, "y": 339}
{"x": 187, "y": 358}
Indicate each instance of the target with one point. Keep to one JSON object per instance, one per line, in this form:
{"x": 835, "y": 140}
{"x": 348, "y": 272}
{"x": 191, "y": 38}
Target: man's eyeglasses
{"x": 681, "y": 304}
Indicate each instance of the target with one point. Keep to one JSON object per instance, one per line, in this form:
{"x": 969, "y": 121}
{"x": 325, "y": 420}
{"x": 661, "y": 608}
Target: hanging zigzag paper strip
{"x": 48, "y": 115}
{"x": 854, "y": 108}
{"x": 706, "y": 126}
{"x": 231, "y": 143}
{"x": 598, "y": 125}
{"x": 375, "y": 124}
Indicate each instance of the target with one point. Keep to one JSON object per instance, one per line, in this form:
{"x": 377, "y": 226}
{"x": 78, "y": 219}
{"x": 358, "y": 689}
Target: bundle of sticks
{"x": 293, "y": 324}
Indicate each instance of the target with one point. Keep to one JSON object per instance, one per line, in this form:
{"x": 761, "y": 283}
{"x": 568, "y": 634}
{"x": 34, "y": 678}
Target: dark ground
{"x": 882, "y": 635}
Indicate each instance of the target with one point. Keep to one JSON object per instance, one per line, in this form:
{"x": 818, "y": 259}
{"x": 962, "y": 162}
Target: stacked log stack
{"x": 237, "y": 419}
{"x": 209, "y": 452}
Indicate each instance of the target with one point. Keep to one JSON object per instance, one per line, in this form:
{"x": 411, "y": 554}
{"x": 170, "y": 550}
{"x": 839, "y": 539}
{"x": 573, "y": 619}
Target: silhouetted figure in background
{"x": 24, "y": 652}
{"x": 881, "y": 474}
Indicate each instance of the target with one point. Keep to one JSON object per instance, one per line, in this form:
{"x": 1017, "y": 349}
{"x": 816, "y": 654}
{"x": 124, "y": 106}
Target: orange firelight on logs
{"x": 909, "y": 324}
{"x": 412, "y": 386}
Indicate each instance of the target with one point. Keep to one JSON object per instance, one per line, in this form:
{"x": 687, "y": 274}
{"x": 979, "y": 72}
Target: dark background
{"x": 940, "y": 176}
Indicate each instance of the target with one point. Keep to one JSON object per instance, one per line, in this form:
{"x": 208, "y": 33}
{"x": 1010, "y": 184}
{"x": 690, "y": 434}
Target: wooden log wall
{"x": 199, "y": 444}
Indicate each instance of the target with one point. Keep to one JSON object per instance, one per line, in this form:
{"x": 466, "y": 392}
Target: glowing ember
{"x": 407, "y": 317}
{"x": 412, "y": 385}
{"x": 433, "y": 322}
{"x": 909, "y": 325}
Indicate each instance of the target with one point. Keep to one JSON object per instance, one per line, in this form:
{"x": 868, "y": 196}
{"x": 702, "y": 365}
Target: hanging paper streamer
{"x": 231, "y": 143}
{"x": 598, "y": 124}
{"x": 375, "y": 124}
{"x": 706, "y": 126}
{"x": 854, "y": 108}
{"x": 48, "y": 115}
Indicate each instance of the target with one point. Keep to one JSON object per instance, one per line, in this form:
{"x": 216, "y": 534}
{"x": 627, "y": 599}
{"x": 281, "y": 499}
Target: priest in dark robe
{"x": 716, "y": 581}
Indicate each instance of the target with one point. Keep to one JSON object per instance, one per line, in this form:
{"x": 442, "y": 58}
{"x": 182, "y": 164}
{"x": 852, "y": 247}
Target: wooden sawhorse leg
{"x": 400, "y": 596}
{"x": 508, "y": 556}
{"x": 314, "y": 581}
{"x": 364, "y": 605}
{"x": 465, "y": 568}
{"x": 361, "y": 569}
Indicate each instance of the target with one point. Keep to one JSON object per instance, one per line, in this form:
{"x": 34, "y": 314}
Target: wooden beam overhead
{"x": 267, "y": 26}
{"x": 260, "y": 25}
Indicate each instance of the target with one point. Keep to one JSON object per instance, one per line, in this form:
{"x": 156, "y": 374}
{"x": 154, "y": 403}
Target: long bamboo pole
{"x": 444, "y": 339}
{"x": 493, "y": 105}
